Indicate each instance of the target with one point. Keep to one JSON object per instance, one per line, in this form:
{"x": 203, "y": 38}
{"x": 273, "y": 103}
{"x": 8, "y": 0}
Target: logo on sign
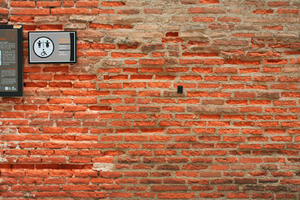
{"x": 43, "y": 47}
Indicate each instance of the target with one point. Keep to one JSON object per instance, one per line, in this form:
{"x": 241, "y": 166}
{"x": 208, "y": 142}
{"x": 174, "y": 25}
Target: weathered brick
{"x": 114, "y": 120}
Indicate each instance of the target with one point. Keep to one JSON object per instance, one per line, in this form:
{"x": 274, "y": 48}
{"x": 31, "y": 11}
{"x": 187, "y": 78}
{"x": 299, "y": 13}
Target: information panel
{"x": 11, "y": 60}
{"x": 52, "y": 47}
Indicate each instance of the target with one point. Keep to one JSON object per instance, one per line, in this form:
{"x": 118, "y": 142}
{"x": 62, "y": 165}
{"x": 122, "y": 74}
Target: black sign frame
{"x": 19, "y": 39}
{"x": 73, "y": 41}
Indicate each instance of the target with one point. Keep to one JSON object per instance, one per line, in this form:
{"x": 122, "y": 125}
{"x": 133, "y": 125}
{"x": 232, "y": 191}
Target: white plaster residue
{"x": 103, "y": 167}
{"x": 3, "y": 159}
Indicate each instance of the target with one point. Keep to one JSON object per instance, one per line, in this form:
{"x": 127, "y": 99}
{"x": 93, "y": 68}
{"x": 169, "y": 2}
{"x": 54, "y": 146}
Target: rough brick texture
{"x": 113, "y": 126}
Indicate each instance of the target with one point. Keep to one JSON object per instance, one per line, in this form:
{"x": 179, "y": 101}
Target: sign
{"x": 52, "y": 47}
{"x": 11, "y": 60}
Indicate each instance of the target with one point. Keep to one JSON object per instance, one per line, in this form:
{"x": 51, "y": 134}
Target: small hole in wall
{"x": 179, "y": 89}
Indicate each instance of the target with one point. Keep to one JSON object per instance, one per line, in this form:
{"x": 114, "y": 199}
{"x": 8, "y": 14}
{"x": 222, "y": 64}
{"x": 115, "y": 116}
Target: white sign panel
{"x": 52, "y": 47}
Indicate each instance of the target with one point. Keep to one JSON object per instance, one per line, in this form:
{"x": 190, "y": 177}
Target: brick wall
{"x": 113, "y": 126}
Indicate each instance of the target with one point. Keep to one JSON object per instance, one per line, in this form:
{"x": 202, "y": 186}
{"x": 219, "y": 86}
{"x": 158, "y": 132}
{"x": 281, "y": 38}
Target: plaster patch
{"x": 3, "y": 159}
{"x": 103, "y": 167}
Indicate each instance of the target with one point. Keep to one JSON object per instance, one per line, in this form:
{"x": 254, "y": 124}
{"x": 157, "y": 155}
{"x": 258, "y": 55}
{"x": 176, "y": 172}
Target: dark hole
{"x": 179, "y": 89}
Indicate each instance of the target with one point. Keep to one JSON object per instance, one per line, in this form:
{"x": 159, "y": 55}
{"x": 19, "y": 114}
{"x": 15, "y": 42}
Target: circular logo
{"x": 43, "y": 47}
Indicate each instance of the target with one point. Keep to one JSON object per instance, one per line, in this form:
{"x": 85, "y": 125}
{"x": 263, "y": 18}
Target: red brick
{"x": 29, "y": 11}
{"x": 22, "y": 4}
{"x": 278, "y": 3}
{"x": 261, "y": 11}
{"x": 48, "y": 4}
{"x": 209, "y": 1}
{"x": 88, "y": 4}
{"x": 69, "y": 11}
{"x": 113, "y": 3}
{"x": 211, "y": 195}
{"x": 176, "y": 195}
{"x": 237, "y": 195}
{"x": 128, "y": 12}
